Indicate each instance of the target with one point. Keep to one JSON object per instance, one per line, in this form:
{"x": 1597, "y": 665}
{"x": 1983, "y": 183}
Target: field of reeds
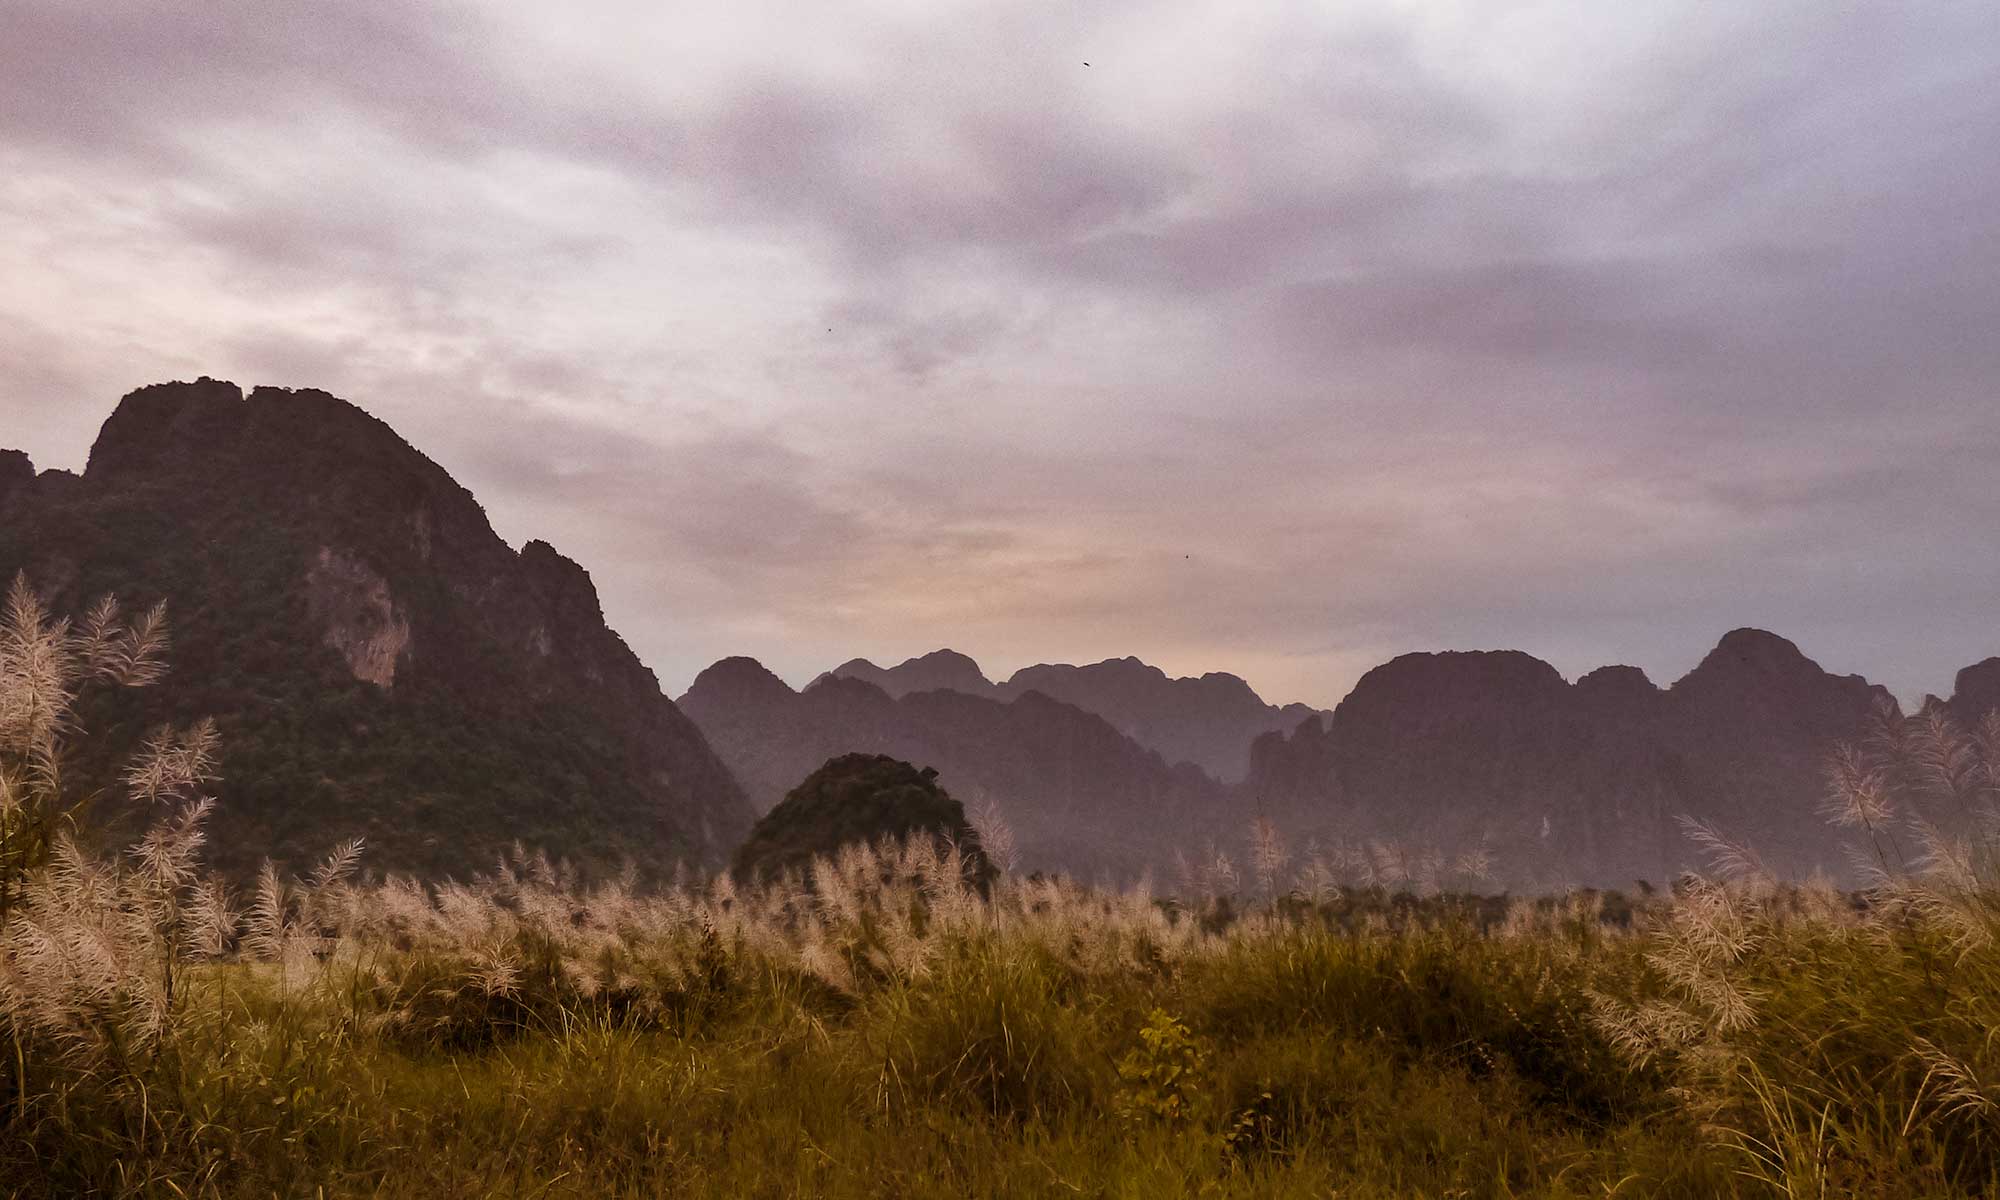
{"x": 885, "y": 1025}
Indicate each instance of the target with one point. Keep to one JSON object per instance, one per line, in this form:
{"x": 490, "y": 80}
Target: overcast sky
{"x": 1264, "y": 337}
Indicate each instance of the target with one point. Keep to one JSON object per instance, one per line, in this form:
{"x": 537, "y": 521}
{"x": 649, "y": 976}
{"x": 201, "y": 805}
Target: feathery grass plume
{"x": 1733, "y": 859}
{"x": 1942, "y": 757}
{"x": 130, "y": 654}
{"x": 1858, "y": 791}
{"x": 1473, "y": 867}
{"x": 1986, "y": 744}
{"x": 996, "y": 836}
{"x": 44, "y": 665}
{"x": 1219, "y": 875}
{"x": 1317, "y": 879}
{"x": 1960, "y": 1091}
{"x": 1388, "y": 866}
{"x": 1269, "y": 856}
{"x": 1837, "y": 1039}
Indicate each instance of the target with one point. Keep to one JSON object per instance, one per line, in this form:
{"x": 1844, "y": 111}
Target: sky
{"x": 1275, "y": 338}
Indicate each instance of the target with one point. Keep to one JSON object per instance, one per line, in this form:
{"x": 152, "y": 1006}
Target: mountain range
{"x": 1576, "y": 783}
{"x": 383, "y": 664}
{"x": 1208, "y": 720}
{"x": 1431, "y": 756}
{"x": 1079, "y": 795}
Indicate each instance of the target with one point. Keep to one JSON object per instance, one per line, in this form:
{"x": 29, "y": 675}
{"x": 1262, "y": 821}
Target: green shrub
{"x": 1163, "y": 1079}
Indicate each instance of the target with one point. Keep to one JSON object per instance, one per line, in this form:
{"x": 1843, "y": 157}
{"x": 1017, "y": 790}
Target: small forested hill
{"x": 1209, "y": 721}
{"x": 381, "y": 663}
{"x": 1080, "y": 796}
{"x": 862, "y": 798}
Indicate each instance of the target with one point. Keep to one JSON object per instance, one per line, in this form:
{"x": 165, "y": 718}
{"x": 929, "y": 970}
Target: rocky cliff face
{"x": 381, "y": 662}
{"x": 1080, "y": 796}
{"x": 1209, "y": 721}
{"x": 1579, "y": 783}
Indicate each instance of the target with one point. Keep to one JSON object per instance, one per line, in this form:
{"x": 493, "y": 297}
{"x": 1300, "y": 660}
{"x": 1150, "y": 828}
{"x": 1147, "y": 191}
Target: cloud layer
{"x": 1277, "y": 338}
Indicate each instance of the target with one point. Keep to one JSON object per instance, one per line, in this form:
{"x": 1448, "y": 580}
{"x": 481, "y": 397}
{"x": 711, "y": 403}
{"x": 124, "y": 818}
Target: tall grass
{"x": 1844, "y": 1043}
{"x": 1319, "y": 1021}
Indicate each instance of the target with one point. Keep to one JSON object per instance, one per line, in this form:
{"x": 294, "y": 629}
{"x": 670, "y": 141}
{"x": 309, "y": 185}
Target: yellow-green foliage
{"x": 1164, "y": 1078}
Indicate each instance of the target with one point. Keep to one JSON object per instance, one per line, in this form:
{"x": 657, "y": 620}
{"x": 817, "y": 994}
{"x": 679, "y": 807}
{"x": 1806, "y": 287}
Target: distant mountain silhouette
{"x": 938, "y": 669}
{"x": 1576, "y": 783}
{"x": 1079, "y": 795}
{"x": 381, "y": 663}
{"x": 1562, "y": 784}
{"x": 1209, "y": 721}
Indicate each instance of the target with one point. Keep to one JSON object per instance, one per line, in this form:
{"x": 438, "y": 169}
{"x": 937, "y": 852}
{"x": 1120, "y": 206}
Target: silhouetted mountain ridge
{"x": 381, "y": 663}
{"x": 1208, "y": 720}
{"x": 1583, "y": 782}
{"x": 1080, "y": 795}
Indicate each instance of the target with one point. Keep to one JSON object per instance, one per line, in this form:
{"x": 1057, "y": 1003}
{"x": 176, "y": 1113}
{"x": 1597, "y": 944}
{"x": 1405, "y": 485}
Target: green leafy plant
{"x": 1162, "y": 1080}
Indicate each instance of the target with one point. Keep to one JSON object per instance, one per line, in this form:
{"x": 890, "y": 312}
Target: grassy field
{"x": 884, "y": 1031}
{"x": 883, "y": 1026}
